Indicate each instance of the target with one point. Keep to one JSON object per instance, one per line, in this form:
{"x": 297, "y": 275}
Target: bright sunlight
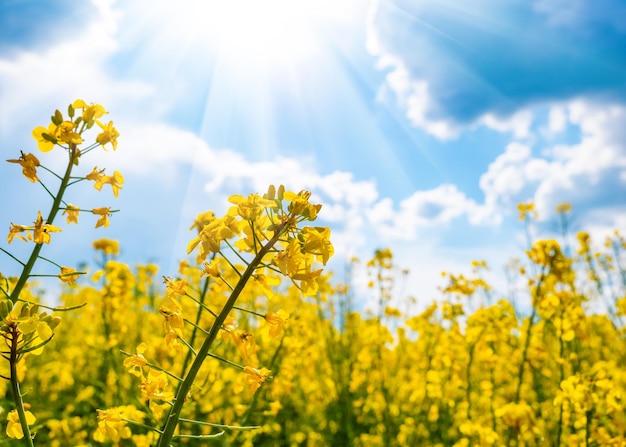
{"x": 258, "y": 34}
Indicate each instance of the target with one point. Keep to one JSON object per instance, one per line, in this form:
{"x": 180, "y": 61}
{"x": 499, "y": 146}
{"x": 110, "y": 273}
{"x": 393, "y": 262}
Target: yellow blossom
{"x": 41, "y": 231}
{"x": 107, "y": 246}
{"x": 29, "y": 165}
{"x": 115, "y": 180}
{"x": 72, "y": 213}
{"x": 14, "y": 428}
{"x": 111, "y": 425}
{"x": 300, "y": 205}
{"x": 256, "y": 377}
{"x": 526, "y": 210}
{"x": 276, "y": 322}
{"x": 175, "y": 287}
{"x": 109, "y": 134}
{"x": 97, "y": 176}
{"x": 212, "y": 269}
{"x": 317, "y": 242}
{"x": 15, "y": 230}
{"x": 68, "y": 275}
{"x": 155, "y": 386}
{"x": 250, "y": 208}
{"x": 66, "y": 132}
{"x": 245, "y": 345}
{"x": 100, "y": 179}
{"x": 564, "y": 208}
{"x": 201, "y": 220}
{"x": 91, "y": 111}
{"x": 135, "y": 363}
{"x": 104, "y": 214}
{"x": 45, "y": 137}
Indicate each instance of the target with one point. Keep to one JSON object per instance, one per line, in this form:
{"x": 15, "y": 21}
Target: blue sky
{"x": 419, "y": 124}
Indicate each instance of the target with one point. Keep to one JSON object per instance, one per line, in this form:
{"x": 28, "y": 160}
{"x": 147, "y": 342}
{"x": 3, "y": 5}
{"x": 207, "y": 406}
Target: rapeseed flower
{"x": 29, "y": 164}
{"x": 14, "y": 428}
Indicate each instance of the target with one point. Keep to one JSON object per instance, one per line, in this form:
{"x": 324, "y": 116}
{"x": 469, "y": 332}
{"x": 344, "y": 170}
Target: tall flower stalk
{"x": 25, "y": 329}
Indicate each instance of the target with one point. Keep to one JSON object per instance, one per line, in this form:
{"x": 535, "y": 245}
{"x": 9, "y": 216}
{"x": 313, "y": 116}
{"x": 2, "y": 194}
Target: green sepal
{"x": 34, "y": 348}
{"x": 57, "y": 118}
{"x": 48, "y": 137}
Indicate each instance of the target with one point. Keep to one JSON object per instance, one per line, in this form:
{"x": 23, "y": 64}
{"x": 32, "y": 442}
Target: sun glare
{"x": 256, "y": 33}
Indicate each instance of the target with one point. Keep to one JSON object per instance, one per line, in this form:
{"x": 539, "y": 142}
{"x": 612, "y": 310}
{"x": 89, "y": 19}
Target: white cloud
{"x": 508, "y": 175}
{"x": 557, "y": 120}
{"x": 413, "y": 95}
{"x": 583, "y": 172}
{"x": 40, "y": 81}
{"x": 518, "y": 124}
{"x": 426, "y": 208}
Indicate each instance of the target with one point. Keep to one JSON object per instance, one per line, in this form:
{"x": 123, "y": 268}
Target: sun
{"x": 256, "y": 33}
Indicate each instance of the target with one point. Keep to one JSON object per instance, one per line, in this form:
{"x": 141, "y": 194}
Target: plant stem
{"x": 15, "y": 387}
{"x": 28, "y": 267}
{"x": 183, "y": 389}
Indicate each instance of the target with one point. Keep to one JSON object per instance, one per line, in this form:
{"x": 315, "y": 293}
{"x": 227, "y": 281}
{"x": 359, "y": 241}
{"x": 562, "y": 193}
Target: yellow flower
{"x": 564, "y": 208}
{"x": 111, "y": 426}
{"x": 14, "y": 428}
{"x": 229, "y": 326}
{"x": 212, "y": 235}
{"x": 245, "y": 345}
{"x": 392, "y": 312}
{"x": 68, "y": 275}
{"x": 45, "y": 137}
{"x": 256, "y": 377}
{"x": 175, "y": 287}
{"x": 585, "y": 242}
{"x": 265, "y": 284}
{"x": 518, "y": 416}
{"x": 297, "y": 266}
{"x": 155, "y": 386}
{"x": 17, "y": 229}
{"x": 482, "y": 264}
{"x": 104, "y": 214}
{"x": 41, "y": 231}
{"x": 100, "y": 179}
{"x": 109, "y": 134}
{"x": 65, "y": 132}
{"x": 202, "y": 219}
{"x": 115, "y": 181}
{"x": 300, "y": 205}
{"x": 72, "y": 213}
{"x": 90, "y": 112}
{"x": 212, "y": 269}
{"x": 135, "y": 363}
{"x": 317, "y": 242}
{"x": 174, "y": 322}
{"x": 526, "y": 210}
{"x": 276, "y": 322}
{"x": 97, "y": 175}
{"x": 29, "y": 165}
{"x": 107, "y": 246}
{"x": 251, "y": 208}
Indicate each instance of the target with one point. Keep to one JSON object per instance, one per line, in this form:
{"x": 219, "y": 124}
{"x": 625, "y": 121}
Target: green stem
{"x": 520, "y": 372}
{"x": 15, "y": 387}
{"x": 28, "y": 267}
{"x": 11, "y": 256}
{"x": 183, "y": 390}
{"x": 531, "y": 322}
{"x": 561, "y": 377}
{"x": 192, "y": 340}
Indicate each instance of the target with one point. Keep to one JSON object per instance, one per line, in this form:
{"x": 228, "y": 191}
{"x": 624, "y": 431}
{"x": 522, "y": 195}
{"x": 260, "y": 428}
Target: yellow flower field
{"x": 252, "y": 342}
